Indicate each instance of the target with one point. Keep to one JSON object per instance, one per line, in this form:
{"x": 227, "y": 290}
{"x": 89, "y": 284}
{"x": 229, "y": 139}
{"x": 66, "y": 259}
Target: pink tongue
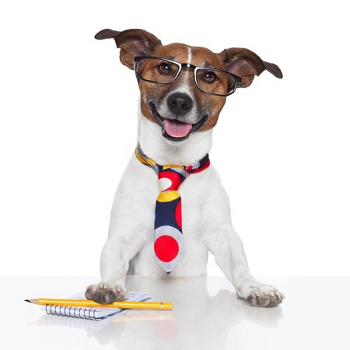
{"x": 176, "y": 129}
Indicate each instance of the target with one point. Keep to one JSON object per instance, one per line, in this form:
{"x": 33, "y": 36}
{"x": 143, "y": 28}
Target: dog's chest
{"x": 193, "y": 200}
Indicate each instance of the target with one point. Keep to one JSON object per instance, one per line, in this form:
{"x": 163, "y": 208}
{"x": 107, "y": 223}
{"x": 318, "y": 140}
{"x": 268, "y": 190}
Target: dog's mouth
{"x": 173, "y": 129}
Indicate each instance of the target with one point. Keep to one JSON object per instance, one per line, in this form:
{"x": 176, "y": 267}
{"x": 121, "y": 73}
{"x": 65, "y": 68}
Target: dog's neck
{"x": 162, "y": 151}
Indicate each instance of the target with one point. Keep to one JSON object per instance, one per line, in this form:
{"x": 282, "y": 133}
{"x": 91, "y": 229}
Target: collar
{"x": 196, "y": 167}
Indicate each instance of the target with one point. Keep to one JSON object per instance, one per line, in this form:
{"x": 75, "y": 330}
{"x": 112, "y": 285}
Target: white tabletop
{"x": 206, "y": 315}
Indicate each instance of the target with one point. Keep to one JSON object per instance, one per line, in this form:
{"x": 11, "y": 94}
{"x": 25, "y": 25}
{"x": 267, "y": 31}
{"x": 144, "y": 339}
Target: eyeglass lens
{"x": 156, "y": 70}
{"x": 216, "y": 82}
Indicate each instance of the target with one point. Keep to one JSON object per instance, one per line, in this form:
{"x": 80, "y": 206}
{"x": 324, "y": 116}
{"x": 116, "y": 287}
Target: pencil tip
{"x": 27, "y": 300}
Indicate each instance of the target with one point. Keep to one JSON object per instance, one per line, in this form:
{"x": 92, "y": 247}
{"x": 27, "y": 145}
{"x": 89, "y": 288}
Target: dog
{"x": 183, "y": 90}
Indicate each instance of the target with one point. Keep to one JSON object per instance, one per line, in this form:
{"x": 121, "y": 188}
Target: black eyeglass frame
{"x": 238, "y": 79}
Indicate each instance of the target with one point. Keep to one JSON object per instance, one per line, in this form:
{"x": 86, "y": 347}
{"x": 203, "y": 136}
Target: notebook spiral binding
{"x": 71, "y": 311}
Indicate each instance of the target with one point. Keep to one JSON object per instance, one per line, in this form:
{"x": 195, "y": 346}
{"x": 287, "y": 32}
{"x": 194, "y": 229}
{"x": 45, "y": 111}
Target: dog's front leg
{"x": 131, "y": 226}
{"x": 115, "y": 257}
{"x": 224, "y": 243}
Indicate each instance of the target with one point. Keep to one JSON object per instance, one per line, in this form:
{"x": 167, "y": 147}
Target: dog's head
{"x": 183, "y": 88}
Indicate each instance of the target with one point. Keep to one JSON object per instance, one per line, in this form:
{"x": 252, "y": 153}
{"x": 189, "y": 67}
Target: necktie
{"x": 168, "y": 236}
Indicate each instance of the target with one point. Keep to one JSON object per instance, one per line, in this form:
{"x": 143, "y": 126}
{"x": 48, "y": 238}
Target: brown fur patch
{"x": 200, "y": 56}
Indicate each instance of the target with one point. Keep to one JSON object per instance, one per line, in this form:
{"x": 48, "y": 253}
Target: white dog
{"x": 183, "y": 90}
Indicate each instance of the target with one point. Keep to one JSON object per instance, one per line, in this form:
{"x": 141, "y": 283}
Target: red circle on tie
{"x": 173, "y": 177}
{"x": 178, "y": 216}
{"x": 166, "y": 248}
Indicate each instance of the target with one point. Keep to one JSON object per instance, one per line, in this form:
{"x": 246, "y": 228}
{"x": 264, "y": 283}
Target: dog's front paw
{"x": 259, "y": 294}
{"x": 106, "y": 293}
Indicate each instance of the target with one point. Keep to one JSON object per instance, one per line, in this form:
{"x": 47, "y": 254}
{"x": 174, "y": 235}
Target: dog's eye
{"x": 164, "y": 68}
{"x": 209, "y": 77}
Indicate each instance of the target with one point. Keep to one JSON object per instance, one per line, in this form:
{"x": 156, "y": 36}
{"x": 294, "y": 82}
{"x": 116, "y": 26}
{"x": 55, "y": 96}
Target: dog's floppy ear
{"x": 246, "y": 64}
{"x": 132, "y": 42}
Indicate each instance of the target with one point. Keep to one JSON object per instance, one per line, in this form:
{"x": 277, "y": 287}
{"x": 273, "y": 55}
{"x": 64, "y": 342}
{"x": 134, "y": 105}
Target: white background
{"x": 68, "y": 128}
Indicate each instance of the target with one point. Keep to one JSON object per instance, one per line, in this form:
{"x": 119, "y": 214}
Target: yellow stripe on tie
{"x": 143, "y": 160}
{"x": 140, "y": 158}
{"x": 172, "y": 166}
{"x": 151, "y": 162}
{"x": 168, "y": 196}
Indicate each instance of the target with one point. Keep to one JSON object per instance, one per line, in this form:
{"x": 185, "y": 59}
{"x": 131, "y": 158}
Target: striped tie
{"x": 168, "y": 236}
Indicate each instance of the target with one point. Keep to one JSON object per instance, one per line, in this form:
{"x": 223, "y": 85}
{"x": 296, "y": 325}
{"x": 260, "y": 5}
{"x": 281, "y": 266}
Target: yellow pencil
{"x": 90, "y": 303}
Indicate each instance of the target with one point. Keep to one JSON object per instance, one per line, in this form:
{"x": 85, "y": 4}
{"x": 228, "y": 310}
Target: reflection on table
{"x": 205, "y": 310}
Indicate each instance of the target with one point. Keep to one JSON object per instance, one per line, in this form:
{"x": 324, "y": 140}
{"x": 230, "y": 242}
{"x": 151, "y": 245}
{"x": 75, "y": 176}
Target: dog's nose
{"x": 179, "y": 103}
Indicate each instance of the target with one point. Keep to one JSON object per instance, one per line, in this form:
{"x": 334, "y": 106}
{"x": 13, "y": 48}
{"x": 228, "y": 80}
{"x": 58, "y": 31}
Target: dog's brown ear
{"x": 246, "y": 64}
{"x": 132, "y": 42}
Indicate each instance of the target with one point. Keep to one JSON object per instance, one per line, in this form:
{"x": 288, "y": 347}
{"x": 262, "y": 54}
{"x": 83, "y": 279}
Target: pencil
{"x": 90, "y": 303}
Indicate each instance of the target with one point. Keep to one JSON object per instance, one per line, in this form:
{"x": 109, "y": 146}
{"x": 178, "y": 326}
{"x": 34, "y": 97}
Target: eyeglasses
{"x": 160, "y": 70}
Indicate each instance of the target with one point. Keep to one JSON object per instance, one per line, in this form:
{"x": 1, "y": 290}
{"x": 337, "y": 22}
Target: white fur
{"x": 206, "y": 218}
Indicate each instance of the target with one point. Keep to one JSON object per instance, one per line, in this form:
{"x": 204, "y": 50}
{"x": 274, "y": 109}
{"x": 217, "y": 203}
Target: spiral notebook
{"x": 91, "y": 313}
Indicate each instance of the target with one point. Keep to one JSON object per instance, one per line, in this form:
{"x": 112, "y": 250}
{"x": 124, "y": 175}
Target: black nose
{"x": 179, "y": 103}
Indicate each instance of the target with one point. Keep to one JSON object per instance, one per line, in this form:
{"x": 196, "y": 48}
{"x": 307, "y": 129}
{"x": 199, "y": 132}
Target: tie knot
{"x": 170, "y": 179}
